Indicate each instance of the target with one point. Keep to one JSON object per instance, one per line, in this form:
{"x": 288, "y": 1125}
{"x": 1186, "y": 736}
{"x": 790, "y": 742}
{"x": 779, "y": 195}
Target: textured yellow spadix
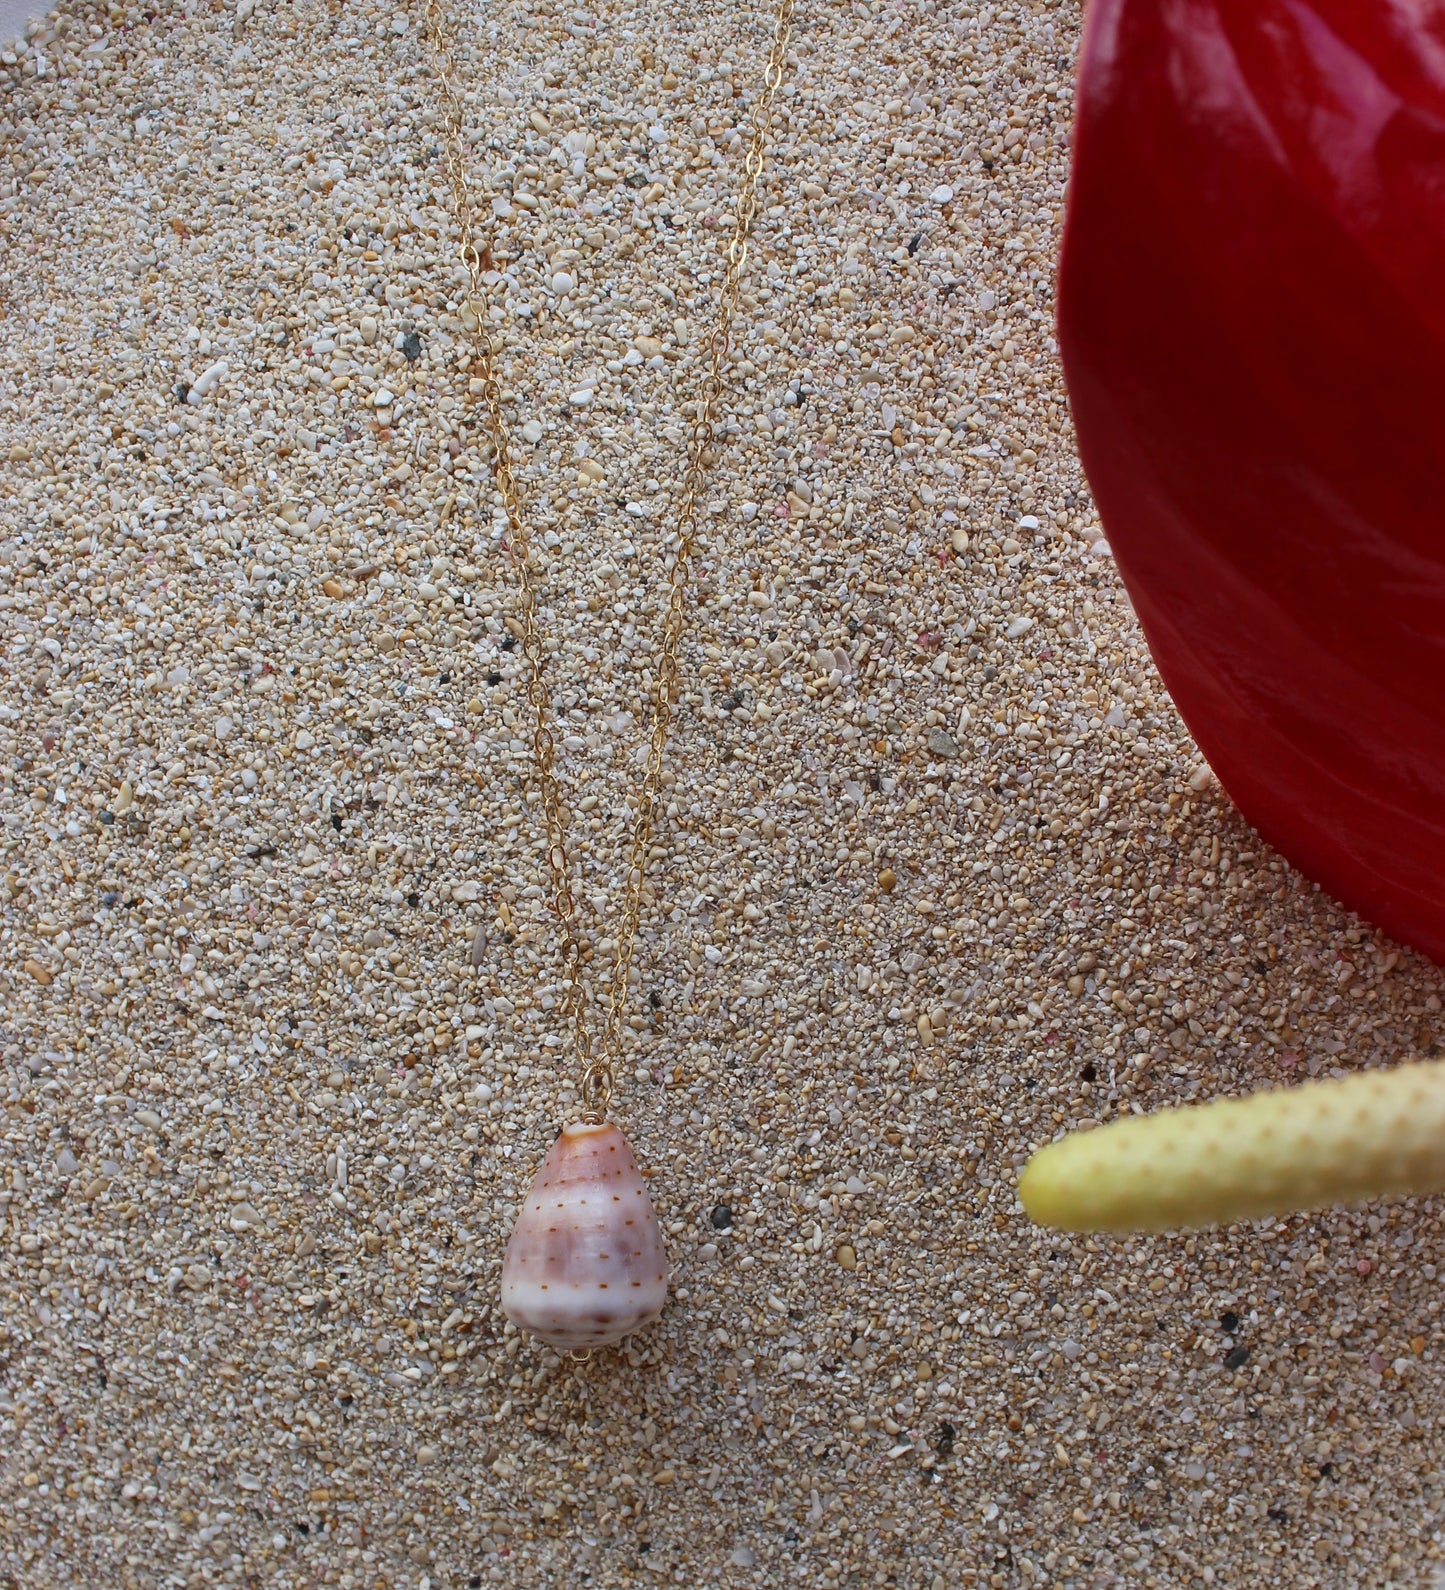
{"x": 1332, "y": 1142}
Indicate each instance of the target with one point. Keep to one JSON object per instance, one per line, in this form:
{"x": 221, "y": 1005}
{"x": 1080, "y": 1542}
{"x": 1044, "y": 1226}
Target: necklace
{"x": 585, "y": 1265}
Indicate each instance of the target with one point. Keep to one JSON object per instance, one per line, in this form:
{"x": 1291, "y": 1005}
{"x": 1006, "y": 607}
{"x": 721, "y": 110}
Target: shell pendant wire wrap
{"x": 585, "y": 1266}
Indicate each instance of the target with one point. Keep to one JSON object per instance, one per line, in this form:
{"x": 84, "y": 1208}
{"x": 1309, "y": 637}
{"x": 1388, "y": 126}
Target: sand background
{"x": 939, "y": 874}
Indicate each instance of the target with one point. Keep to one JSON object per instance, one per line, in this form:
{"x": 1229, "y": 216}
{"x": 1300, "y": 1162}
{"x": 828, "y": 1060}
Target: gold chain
{"x": 599, "y": 1067}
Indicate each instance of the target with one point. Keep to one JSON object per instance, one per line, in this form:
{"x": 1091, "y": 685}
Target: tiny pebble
{"x": 208, "y": 380}
{"x": 942, "y": 744}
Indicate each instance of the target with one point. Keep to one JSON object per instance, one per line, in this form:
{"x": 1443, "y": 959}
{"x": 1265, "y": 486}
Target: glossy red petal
{"x": 1252, "y": 321}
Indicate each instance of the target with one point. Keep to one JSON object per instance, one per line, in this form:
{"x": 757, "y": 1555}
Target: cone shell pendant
{"x": 585, "y": 1266}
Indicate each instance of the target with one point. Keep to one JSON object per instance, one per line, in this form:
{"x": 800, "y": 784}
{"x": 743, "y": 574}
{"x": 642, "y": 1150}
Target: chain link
{"x": 598, "y": 1078}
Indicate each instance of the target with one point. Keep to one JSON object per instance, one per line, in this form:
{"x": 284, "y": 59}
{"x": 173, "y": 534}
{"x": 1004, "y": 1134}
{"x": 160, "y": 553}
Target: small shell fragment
{"x": 585, "y": 1266}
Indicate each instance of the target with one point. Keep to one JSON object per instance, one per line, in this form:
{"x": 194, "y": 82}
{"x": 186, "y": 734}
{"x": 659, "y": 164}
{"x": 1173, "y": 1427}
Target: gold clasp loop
{"x": 596, "y": 1092}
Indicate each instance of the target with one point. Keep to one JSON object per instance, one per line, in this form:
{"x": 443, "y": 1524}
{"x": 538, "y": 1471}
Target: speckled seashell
{"x": 585, "y": 1266}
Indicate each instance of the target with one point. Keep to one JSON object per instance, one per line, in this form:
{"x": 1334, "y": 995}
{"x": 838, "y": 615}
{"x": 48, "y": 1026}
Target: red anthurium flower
{"x": 1252, "y": 319}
